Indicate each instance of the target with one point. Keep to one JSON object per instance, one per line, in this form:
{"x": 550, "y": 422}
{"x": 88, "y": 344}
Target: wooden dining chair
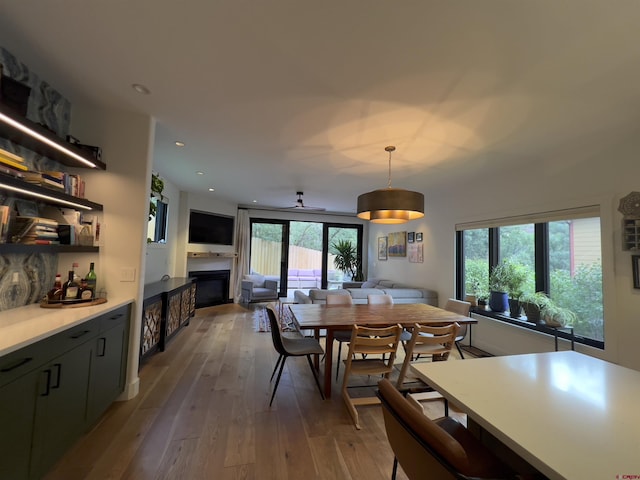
{"x": 382, "y": 299}
{"x": 369, "y": 341}
{"x": 291, "y": 347}
{"x": 340, "y": 336}
{"x": 426, "y": 341}
{"x": 435, "y": 449}
{"x": 461, "y": 308}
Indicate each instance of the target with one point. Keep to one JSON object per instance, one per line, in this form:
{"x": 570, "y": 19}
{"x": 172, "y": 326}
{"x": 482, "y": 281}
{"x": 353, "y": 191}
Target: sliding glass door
{"x": 269, "y": 244}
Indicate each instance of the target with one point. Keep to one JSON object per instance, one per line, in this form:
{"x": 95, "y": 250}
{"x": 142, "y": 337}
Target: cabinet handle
{"x": 59, "y": 367}
{"x": 102, "y": 346}
{"x": 48, "y": 384}
{"x": 78, "y": 335}
{"x": 19, "y": 363}
{"x": 115, "y": 317}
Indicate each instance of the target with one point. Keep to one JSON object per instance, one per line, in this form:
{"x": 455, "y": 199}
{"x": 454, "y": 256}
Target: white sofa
{"x": 401, "y": 293}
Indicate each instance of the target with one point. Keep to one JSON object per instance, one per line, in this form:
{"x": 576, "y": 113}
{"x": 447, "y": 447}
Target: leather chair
{"x": 461, "y": 308}
{"x": 435, "y": 449}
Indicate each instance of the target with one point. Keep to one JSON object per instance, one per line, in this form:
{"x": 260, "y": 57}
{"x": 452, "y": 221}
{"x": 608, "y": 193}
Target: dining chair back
{"x": 444, "y": 448}
{"x": 382, "y": 299}
{"x": 461, "y": 308}
{"x": 291, "y": 347}
{"x": 426, "y": 341}
{"x": 368, "y": 342}
{"x": 340, "y": 336}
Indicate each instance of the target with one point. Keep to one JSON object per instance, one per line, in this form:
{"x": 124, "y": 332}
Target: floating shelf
{"x": 22, "y": 248}
{"x": 18, "y": 136}
{"x": 211, "y": 254}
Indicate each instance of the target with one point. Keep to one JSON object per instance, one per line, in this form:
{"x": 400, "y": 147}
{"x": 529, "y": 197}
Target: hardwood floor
{"x": 203, "y": 413}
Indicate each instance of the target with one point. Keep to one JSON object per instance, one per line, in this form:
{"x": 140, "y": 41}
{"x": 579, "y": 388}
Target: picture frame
{"x": 415, "y": 253}
{"x": 410, "y": 237}
{"x": 635, "y": 264}
{"x": 397, "y": 244}
{"x": 419, "y": 237}
{"x": 382, "y": 248}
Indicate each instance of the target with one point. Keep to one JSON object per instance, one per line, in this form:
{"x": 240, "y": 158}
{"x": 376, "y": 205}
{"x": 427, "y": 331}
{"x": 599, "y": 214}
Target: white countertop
{"x": 570, "y": 415}
{"x": 23, "y": 326}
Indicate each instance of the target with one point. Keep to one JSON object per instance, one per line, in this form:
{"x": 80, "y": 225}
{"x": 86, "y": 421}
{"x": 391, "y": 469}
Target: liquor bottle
{"x": 85, "y": 292}
{"x": 55, "y": 294}
{"x": 70, "y": 287}
{"x": 91, "y": 277}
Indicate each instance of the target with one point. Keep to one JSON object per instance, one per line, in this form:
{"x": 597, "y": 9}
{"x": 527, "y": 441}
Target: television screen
{"x": 210, "y": 228}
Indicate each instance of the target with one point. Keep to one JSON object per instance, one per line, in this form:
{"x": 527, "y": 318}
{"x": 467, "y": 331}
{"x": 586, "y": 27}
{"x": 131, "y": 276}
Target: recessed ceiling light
{"x": 254, "y": 201}
{"x": 179, "y": 143}
{"x": 211, "y": 189}
{"x": 199, "y": 173}
{"x": 141, "y": 89}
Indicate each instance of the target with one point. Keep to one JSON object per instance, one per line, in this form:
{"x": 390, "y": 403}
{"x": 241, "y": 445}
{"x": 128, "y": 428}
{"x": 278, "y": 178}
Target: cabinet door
{"x": 17, "y": 406}
{"x": 61, "y": 406}
{"x": 108, "y": 366}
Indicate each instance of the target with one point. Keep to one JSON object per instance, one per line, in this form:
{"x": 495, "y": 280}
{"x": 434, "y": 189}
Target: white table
{"x": 569, "y": 415}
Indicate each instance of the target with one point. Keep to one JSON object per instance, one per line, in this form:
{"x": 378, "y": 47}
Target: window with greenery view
{"x": 562, "y": 258}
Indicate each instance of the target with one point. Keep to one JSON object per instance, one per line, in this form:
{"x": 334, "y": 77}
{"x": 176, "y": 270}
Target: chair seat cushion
{"x": 302, "y": 346}
{"x": 263, "y": 293}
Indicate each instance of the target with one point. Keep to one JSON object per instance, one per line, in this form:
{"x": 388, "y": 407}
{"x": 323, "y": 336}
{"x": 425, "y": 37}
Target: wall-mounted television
{"x": 205, "y": 227}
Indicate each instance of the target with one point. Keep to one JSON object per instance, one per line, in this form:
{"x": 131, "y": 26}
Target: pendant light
{"x": 390, "y": 205}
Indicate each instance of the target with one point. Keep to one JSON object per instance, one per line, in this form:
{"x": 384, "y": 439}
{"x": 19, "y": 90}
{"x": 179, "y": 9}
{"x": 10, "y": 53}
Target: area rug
{"x": 261, "y": 319}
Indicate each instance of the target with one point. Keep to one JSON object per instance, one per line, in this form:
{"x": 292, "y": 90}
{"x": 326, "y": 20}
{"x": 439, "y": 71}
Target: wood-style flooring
{"x": 203, "y": 413}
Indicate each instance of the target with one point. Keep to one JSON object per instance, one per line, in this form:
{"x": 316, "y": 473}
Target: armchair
{"x": 255, "y": 288}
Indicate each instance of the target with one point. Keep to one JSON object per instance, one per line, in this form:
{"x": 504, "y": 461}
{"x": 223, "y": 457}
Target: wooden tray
{"x": 96, "y": 301}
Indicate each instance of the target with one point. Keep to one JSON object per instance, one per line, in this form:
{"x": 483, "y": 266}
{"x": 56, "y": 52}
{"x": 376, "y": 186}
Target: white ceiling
{"x": 272, "y": 97}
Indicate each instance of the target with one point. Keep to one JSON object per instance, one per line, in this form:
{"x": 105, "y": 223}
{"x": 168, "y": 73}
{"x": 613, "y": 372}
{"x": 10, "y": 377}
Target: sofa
{"x": 359, "y": 291}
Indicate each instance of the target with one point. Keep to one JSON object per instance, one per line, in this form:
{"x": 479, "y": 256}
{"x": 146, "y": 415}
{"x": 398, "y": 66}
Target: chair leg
{"x": 275, "y": 387}
{"x": 395, "y": 468}
{"x": 315, "y": 375}
{"x": 459, "y": 350}
{"x": 338, "y": 359}
{"x": 446, "y": 407}
{"x": 275, "y": 368}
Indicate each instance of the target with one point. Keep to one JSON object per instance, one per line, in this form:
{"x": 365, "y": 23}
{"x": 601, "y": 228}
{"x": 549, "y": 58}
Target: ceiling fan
{"x": 301, "y": 206}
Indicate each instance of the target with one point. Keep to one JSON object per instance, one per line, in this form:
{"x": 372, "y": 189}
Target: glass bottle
{"x": 70, "y": 287}
{"x": 91, "y": 277}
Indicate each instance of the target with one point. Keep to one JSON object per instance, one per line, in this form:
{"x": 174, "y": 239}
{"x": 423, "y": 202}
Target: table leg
{"x": 316, "y": 358}
{"x": 328, "y": 357}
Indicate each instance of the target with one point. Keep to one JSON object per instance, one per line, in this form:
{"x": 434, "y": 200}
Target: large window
{"x": 561, "y": 257}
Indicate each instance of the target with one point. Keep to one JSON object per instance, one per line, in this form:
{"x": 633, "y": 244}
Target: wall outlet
{"x": 127, "y": 274}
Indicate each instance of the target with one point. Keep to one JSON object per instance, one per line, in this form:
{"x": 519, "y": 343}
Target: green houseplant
{"x": 157, "y": 187}
{"x": 556, "y": 316}
{"x": 533, "y": 304}
{"x": 347, "y": 259}
{"x": 506, "y": 281}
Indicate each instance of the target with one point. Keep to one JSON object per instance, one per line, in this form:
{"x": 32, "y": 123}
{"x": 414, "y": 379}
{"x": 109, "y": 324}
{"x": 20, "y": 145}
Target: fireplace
{"x": 212, "y": 287}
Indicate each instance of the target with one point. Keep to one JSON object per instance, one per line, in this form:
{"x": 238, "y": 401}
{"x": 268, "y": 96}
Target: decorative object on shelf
{"x": 635, "y": 259}
{"x": 411, "y": 237}
{"x": 382, "y": 248}
{"x": 390, "y": 205}
{"x": 419, "y": 237}
{"x": 211, "y": 254}
{"x": 630, "y": 205}
{"x": 630, "y": 208}
{"x": 415, "y": 253}
{"x": 397, "y": 244}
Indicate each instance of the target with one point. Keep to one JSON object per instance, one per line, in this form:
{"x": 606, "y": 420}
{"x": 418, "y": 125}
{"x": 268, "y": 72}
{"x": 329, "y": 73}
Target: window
{"x": 561, "y": 253}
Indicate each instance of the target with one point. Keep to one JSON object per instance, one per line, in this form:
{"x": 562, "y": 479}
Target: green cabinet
{"x": 108, "y": 363}
{"x": 54, "y": 390}
{"x": 17, "y": 405}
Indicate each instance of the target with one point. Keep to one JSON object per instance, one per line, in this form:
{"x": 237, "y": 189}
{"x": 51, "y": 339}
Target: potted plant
{"x": 556, "y": 316}
{"x": 498, "y": 286}
{"x": 516, "y": 278}
{"x": 347, "y": 259}
{"x": 157, "y": 186}
{"x": 533, "y": 304}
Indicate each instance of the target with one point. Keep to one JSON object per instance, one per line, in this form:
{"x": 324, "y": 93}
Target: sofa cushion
{"x": 305, "y": 273}
{"x": 405, "y": 292}
{"x": 259, "y": 292}
{"x": 256, "y": 279}
{"x": 362, "y": 293}
{"x": 385, "y": 284}
{"x": 320, "y": 296}
{"x": 370, "y": 284}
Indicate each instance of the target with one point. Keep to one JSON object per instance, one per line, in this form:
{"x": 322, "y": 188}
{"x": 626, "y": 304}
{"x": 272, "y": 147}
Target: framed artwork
{"x": 410, "y": 237}
{"x": 415, "y": 253}
{"x": 382, "y": 248}
{"x": 397, "y": 244}
{"x": 635, "y": 259}
{"x": 419, "y": 237}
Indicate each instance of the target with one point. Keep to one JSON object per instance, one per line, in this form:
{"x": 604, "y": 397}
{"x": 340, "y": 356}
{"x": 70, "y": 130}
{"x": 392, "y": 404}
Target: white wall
{"x": 124, "y": 188}
{"x": 584, "y": 176}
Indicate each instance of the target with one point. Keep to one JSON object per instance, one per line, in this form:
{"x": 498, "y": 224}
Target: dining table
{"x": 569, "y": 415}
{"x": 330, "y": 318}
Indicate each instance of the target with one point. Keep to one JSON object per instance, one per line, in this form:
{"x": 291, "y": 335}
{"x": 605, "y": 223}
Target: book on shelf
{"x": 44, "y": 180}
{"x": 13, "y": 164}
{"x": 5, "y": 217}
{"x": 11, "y": 156}
{"x": 7, "y": 170}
